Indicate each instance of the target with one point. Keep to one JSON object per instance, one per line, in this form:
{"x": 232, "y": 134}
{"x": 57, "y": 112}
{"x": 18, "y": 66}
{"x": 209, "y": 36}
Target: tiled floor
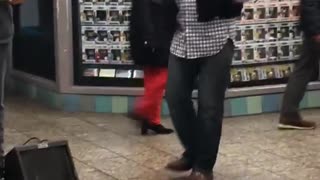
{"x": 108, "y": 147}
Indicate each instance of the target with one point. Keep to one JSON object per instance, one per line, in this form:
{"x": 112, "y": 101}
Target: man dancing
{"x": 202, "y": 48}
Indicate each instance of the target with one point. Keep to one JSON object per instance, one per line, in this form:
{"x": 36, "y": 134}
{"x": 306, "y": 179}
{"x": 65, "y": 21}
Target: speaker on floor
{"x": 43, "y": 161}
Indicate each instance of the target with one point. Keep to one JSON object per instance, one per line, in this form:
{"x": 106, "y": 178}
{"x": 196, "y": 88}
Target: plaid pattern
{"x": 195, "y": 39}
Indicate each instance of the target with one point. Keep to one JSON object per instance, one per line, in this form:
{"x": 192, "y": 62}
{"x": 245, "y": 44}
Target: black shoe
{"x": 295, "y": 121}
{"x": 180, "y": 165}
{"x": 158, "y": 129}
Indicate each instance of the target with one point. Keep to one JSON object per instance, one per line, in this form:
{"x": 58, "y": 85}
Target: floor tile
{"x": 154, "y": 159}
{"x": 109, "y": 147}
{"x": 121, "y": 168}
{"x": 86, "y": 172}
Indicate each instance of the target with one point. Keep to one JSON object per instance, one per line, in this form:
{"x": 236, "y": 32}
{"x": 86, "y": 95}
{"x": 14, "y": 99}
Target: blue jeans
{"x": 200, "y": 131}
{"x": 305, "y": 69}
{"x": 4, "y": 59}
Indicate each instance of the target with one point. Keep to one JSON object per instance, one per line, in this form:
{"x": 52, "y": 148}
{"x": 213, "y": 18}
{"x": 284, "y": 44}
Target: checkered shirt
{"x": 195, "y": 39}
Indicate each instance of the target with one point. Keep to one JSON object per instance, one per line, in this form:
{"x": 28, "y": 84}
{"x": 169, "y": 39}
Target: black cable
{"x": 29, "y": 140}
{"x": 44, "y": 140}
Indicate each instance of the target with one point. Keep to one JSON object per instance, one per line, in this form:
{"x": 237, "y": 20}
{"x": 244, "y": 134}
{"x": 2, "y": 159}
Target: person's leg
{"x": 9, "y": 67}
{"x": 148, "y": 109}
{"x": 144, "y": 106}
{"x": 304, "y": 69}
{"x": 181, "y": 78}
{"x": 214, "y": 78}
{"x": 4, "y": 55}
{"x": 160, "y": 81}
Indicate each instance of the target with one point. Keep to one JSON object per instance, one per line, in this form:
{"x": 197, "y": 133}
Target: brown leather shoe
{"x": 196, "y": 175}
{"x": 287, "y": 123}
{"x": 180, "y": 165}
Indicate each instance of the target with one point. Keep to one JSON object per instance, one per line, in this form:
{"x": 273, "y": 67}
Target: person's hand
{"x": 16, "y": 2}
{"x": 316, "y": 38}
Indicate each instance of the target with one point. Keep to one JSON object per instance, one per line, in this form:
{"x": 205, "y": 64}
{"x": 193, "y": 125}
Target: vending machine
{"x": 101, "y": 40}
{"x": 268, "y": 42}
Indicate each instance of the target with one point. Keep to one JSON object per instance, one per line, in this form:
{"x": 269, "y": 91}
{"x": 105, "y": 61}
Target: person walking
{"x": 305, "y": 68}
{"x": 6, "y": 35}
{"x": 202, "y": 48}
{"x": 151, "y": 32}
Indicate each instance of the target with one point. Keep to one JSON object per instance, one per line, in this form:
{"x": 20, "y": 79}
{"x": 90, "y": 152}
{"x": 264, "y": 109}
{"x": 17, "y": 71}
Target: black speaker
{"x": 43, "y": 161}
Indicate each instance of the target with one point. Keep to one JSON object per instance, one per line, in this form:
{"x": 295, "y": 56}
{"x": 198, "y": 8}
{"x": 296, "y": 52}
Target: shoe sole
{"x": 175, "y": 175}
{"x": 283, "y": 126}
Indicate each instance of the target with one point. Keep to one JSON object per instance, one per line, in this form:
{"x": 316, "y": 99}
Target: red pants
{"x": 149, "y": 105}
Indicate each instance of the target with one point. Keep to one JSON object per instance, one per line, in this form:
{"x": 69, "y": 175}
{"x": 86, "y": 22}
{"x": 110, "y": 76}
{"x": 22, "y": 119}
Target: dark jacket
{"x": 6, "y": 23}
{"x": 224, "y": 9}
{"x": 152, "y": 25}
{"x": 310, "y": 17}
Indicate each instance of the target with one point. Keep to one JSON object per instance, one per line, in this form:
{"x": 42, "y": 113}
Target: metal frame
{"x": 65, "y": 69}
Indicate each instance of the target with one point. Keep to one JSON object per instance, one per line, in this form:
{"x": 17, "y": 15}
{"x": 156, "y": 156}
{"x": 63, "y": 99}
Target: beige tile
{"x": 154, "y": 159}
{"x": 300, "y": 172}
{"x": 76, "y": 126}
{"x": 50, "y": 134}
{"x": 155, "y": 175}
{"x": 276, "y": 165}
{"x": 121, "y": 145}
{"x": 238, "y": 171}
{"x": 12, "y": 137}
{"x": 121, "y": 168}
{"x": 109, "y": 146}
{"x": 88, "y": 173}
{"x": 265, "y": 175}
{"x": 89, "y": 153}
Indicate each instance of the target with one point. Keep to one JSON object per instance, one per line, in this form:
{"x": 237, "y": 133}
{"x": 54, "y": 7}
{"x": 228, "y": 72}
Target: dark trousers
{"x": 4, "y": 59}
{"x": 199, "y": 132}
{"x": 305, "y": 68}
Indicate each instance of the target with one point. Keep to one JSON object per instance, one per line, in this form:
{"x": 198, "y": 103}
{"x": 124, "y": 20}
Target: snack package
{"x": 260, "y": 34}
{"x": 253, "y": 74}
{"x": 90, "y": 72}
{"x": 272, "y": 52}
{"x": 236, "y": 75}
{"x": 260, "y": 53}
{"x": 284, "y": 51}
{"x": 237, "y": 57}
{"x": 271, "y": 72}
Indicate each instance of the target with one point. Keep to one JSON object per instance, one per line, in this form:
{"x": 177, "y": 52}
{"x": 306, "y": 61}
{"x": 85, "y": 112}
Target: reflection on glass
{"x": 33, "y": 47}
